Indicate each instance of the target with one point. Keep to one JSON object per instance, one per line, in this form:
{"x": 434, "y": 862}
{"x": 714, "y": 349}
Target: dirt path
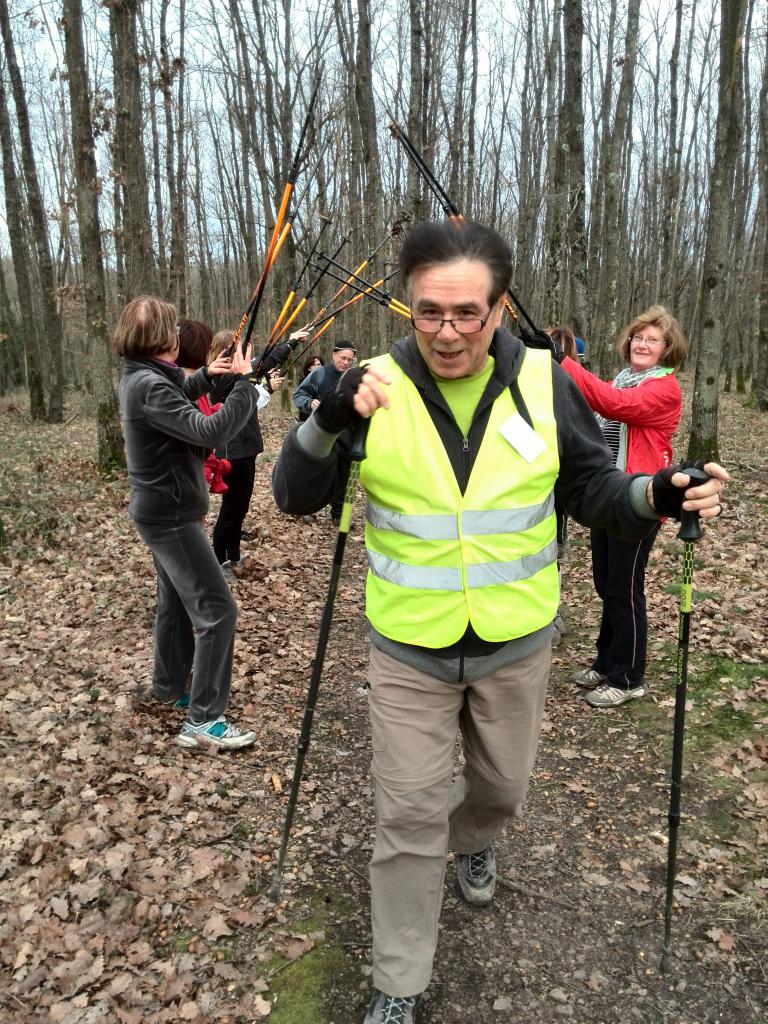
{"x": 134, "y": 877}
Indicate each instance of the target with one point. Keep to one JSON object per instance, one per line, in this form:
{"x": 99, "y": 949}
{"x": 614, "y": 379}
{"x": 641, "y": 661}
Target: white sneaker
{"x": 218, "y": 733}
{"x": 607, "y": 696}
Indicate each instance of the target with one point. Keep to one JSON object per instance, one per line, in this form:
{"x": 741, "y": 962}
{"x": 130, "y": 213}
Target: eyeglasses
{"x": 647, "y": 341}
{"x": 462, "y": 325}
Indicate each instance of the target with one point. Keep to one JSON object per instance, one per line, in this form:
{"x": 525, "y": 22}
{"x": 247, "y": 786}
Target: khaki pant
{"x": 419, "y": 814}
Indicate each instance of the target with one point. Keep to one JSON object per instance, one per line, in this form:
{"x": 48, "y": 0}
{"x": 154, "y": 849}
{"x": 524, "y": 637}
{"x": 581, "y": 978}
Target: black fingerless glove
{"x": 541, "y": 340}
{"x": 337, "y": 412}
{"x": 667, "y": 498}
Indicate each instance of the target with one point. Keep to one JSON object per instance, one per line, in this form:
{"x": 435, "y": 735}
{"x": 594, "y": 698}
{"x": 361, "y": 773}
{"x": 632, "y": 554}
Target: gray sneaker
{"x": 607, "y": 696}
{"x": 476, "y": 876}
{"x": 386, "y": 1009}
{"x": 587, "y": 678}
{"x": 218, "y": 733}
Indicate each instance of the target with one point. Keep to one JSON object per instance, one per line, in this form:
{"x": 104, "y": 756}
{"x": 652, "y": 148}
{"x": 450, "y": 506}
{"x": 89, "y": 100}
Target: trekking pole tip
{"x": 274, "y": 890}
{"x": 665, "y": 966}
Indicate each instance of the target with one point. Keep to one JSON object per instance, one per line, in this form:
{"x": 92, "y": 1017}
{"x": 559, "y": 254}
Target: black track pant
{"x": 234, "y": 508}
{"x": 618, "y": 569}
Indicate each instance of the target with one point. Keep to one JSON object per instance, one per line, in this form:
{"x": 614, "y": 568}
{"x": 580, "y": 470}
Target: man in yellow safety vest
{"x": 472, "y": 437}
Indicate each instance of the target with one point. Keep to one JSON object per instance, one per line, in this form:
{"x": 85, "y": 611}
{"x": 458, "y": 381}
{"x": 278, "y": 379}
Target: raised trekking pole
{"x": 689, "y": 533}
{"x": 357, "y": 454}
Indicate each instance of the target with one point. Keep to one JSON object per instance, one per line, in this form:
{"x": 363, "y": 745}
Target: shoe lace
{"x": 395, "y": 1008}
{"x": 477, "y": 866}
{"x": 222, "y": 729}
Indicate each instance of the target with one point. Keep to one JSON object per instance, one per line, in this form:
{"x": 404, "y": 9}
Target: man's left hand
{"x": 704, "y": 498}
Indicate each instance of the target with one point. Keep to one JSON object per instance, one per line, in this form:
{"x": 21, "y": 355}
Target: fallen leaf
{"x": 215, "y": 927}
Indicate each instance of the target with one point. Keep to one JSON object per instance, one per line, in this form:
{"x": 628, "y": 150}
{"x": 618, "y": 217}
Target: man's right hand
{"x": 371, "y": 393}
{"x": 360, "y": 392}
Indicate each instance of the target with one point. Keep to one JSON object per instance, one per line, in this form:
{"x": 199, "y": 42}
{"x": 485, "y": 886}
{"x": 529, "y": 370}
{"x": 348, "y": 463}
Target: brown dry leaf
{"x": 594, "y": 983}
{"x": 727, "y": 942}
{"x": 294, "y": 946}
{"x": 60, "y": 907}
{"x": 215, "y": 927}
{"x": 261, "y": 1008}
{"x": 247, "y": 918}
{"x": 277, "y": 784}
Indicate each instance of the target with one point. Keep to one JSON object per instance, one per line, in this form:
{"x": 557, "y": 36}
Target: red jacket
{"x": 651, "y": 411}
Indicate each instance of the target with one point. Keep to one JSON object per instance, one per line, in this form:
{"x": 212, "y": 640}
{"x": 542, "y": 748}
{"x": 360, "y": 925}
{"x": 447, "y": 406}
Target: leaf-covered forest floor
{"x": 134, "y": 874}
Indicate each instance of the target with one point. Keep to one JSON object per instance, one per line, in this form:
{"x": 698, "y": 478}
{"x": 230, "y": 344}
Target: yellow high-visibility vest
{"x": 438, "y": 559}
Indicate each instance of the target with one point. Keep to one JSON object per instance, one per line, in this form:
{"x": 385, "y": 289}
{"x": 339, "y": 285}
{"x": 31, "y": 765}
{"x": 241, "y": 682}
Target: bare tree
{"x": 110, "y": 440}
{"x": 703, "y": 441}
{"x": 760, "y": 379}
{"x": 39, "y": 227}
{"x": 613, "y": 227}
{"x": 130, "y": 162}
{"x": 15, "y": 214}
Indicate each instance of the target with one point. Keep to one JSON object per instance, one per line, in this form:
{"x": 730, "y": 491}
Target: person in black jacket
{"x": 166, "y": 438}
{"x": 241, "y": 451}
{"x": 316, "y": 386}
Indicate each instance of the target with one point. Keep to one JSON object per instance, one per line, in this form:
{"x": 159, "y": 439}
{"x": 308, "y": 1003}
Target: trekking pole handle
{"x": 689, "y": 521}
{"x": 357, "y": 452}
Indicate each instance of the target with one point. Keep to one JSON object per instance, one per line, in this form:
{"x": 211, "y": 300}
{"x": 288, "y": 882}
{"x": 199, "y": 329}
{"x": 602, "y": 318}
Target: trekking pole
{"x": 357, "y": 454}
{"x": 450, "y": 209}
{"x": 689, "y": 533}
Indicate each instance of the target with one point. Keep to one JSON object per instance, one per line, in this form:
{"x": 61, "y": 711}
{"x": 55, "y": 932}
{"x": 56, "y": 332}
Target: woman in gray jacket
{"x": 166, "y": 439}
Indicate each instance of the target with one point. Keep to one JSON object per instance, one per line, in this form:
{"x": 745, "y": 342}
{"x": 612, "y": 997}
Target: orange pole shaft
{"x": 290, "y": 319}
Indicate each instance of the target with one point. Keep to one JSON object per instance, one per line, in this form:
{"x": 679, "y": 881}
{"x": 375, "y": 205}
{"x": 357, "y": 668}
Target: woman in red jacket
{"x": 638, "y": 413}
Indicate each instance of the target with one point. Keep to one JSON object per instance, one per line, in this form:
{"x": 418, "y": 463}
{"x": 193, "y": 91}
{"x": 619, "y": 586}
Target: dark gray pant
{"x": 195, "y": 620}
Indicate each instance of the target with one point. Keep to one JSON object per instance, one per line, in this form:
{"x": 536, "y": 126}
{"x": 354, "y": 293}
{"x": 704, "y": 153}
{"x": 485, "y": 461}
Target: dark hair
{"x": 430, "y": 243}
{"x": 145, "y": 328}
{"x": 307, "y": 367}
{"x": 565, "y": 339}
{"x": 195, "y": 339}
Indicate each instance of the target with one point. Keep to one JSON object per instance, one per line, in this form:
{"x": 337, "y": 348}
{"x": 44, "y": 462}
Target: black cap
{"x": 341, "y": 346}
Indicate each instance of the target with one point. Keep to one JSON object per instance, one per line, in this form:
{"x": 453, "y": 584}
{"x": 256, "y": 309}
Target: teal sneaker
{"x": 218, "y": 733}
{"x": 181, "y": 702}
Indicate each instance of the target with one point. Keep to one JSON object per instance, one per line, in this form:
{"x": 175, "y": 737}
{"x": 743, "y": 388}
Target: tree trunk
{"x": 14, "y": 210}
{"x": 703, "y": 441}
{"x": 613, "y": 244}
{"x": 572, "y": 131}
{"x": 52, "y": 321}
{"x": 366, "y": 111}
{"x": 141, "y": 273}
{"x": 760, "y": 380}
{"x": 417, "y": 205}
{"x": 111, "y": 453}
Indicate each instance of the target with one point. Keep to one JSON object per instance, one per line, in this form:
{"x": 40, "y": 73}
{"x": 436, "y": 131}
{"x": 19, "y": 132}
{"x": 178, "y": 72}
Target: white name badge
{"x": 523, "y": 438}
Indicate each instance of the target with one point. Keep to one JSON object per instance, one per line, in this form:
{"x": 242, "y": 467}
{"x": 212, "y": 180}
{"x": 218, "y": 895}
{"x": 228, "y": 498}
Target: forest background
{"x": 621, "y": 147}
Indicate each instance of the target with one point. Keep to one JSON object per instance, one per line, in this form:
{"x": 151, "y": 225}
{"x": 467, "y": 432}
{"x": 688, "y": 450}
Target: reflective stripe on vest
{"x": 488, "y": 574}
{"x": 439, "y": 559}
{"x": 447, "y": 527}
